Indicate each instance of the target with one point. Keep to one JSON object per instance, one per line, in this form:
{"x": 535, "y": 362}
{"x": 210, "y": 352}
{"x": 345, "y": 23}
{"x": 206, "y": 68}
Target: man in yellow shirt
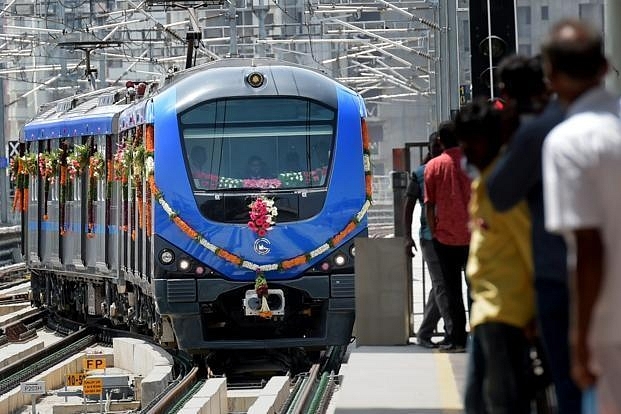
{"x": 500, "y": 272}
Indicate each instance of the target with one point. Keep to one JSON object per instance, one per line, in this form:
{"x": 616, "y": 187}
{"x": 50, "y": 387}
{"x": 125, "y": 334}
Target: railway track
{"x": 310, "y": 391}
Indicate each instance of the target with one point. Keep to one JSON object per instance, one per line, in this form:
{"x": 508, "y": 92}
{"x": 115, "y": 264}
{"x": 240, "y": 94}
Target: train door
{"x": 31, "y": 201}
{"x": 50, "y": 214}
{"x": 111, "y": 197}
{"x": 72, "y": 239}
{"x": 94, "y": 236}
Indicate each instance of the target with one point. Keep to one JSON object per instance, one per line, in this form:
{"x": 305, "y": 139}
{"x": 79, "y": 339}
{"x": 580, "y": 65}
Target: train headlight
{"x": 255, "y": 79}
{"x": 340, "y": 259}
{"x": 352, "y": 251}
{"x": 167, "y": 256}
{"x": 184, "y": 264}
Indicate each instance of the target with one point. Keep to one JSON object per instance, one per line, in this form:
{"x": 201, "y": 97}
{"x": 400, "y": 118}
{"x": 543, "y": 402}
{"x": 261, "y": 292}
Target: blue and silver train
{"x": 216, "y": 209}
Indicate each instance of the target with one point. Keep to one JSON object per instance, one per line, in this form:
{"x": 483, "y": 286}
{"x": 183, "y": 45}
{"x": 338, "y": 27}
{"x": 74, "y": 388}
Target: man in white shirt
{"x": 582, "y": 173}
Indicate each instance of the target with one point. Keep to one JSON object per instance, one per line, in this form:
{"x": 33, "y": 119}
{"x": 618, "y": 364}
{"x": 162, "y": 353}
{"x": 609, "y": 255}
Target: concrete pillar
{"x": 383, "y": 292}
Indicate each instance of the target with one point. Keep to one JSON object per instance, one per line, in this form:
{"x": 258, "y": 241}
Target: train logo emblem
{"x": 262, "y": 246}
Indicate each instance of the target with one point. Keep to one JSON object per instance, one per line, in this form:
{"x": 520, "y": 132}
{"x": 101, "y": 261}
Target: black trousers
{"x": 453, "y": 261}
{"x": 436, "y": 306}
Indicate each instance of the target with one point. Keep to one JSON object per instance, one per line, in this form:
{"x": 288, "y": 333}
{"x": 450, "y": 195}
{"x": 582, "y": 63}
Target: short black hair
{"x": 479, "y": 119}
{"x": 446, "y": 133}
{"x": 582, "y": 58}
{"x": 521, "y": 77}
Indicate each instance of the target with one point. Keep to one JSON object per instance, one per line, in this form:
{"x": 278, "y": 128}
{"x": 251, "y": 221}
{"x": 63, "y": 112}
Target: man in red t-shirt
{"x": 447, "y": 194}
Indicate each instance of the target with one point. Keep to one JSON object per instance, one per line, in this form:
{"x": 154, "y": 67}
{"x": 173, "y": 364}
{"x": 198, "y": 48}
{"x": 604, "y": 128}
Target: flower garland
{"x": 22, "y": 167}
{"x": 261, "y": 183}
{"x": 239, "y": 261}
{"x": 122, "y": 161}
{"x": 49, "y": 167}
{"x": 262, "y": 213}
{"x": 77, "y": 160}
{"x": 49, "y": 163}
{"x": 260, "y": 287}
{"x": 96, "y": 171}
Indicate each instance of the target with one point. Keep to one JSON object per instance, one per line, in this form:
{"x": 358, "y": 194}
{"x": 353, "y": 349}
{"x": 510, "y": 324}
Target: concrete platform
{"x": 401, "y": 380}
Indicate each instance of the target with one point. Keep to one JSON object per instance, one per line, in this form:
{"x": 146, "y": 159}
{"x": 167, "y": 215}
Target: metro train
{"x": 215, "y": 209}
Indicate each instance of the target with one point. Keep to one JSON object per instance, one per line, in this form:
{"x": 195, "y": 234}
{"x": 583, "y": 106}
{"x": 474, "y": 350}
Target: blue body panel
{"x": 345, "y": 198}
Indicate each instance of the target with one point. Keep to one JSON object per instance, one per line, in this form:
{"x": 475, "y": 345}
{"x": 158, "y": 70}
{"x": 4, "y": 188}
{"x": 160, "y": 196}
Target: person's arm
{"x": 585, "y": 287}
{"x": 412, "y": 194}
{"x": 408, "y": 212}
{"x": 430, "y": 214}
{"x": 430, "y": 200}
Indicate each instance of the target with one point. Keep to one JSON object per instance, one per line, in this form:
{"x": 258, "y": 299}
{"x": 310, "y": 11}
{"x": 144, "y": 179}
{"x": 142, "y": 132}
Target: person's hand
{"x": 580, "y": 370}
{"x": 410, "y": 247}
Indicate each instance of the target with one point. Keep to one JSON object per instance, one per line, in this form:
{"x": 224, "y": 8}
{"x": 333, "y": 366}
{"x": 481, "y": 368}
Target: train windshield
{"x": 258, "y": 142}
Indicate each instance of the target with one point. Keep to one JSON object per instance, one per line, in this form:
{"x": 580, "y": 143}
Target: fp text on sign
{"x": 93, "y": 363}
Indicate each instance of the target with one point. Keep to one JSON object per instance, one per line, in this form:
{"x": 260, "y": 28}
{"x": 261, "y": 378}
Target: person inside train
{"x": 198, "y": 158}
{"x": 256, "y": 168}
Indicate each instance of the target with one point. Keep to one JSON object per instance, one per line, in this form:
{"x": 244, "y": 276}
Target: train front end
{"x": 261, "y": 187}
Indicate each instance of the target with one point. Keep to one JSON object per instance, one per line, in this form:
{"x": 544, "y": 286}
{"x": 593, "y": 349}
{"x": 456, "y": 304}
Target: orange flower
{"x": 150, "y": 141}
{"x": 140, "y": 211}
{"x": 369, "y": 184}
{"x": 25, "y": 200}
{"x": 230, "y": 257}
{"x": 339, "y": 237}
{"x": 109, "y": 171}
{"x": 296, "y": 261}
{"x": 148, "y": 217}
{"x": 366, "y": 144}
{"x": 17, "y": 200}
{"x": 185, "y": 228}
{"x": 152, "y": 185}
{"x": 63, "y": 174}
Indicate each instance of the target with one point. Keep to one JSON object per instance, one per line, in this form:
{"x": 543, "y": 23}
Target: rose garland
{"x": 262, "y": 213}
{"x": 77, "y": 160}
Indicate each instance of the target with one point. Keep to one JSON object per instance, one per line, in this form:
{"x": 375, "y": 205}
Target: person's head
{"x": 573, "y": 59}
{"x": 446, "y": 134}
{"x": 522, "y": 84}
{"x": 292, "y": 161}
{"x": 434, "y": 145}
{"x": 198, "y": 156}
{"x": 255, "y": 167}
{"x": 478, "y": 128}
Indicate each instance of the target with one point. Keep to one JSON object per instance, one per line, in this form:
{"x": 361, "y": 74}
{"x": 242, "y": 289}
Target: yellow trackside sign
{"x": 92, "y": 386}
{"x": 93, "y": 363}
{"x": 73, "y": 380}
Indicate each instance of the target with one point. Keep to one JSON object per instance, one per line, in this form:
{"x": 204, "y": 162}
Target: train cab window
{"x": 250, "y": 143}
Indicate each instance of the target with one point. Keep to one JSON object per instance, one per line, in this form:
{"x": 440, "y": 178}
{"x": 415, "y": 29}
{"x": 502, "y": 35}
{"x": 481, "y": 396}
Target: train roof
{"x": 95, "y": 112}
{"x": 108, "y": 110}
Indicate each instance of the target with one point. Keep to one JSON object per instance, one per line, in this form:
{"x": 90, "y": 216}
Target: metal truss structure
{"x": 383, "y": 49}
